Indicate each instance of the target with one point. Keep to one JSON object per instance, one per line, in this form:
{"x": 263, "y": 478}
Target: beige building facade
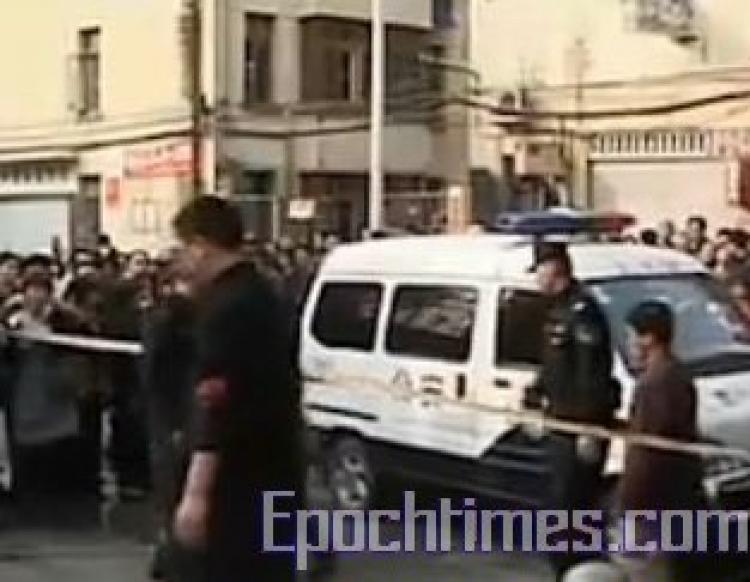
{"x": 629, "y": 105}
{"x": 95, "y": 131}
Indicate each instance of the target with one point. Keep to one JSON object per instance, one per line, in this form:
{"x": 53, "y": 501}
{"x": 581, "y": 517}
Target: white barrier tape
{"x": 521, "y": 417}
{"x": 86, "y": 344}
{"x": 544, "y": 423}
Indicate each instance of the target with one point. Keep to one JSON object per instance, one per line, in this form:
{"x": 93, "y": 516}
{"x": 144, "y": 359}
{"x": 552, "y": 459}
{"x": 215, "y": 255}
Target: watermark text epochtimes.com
{"x": 461, "y": 526}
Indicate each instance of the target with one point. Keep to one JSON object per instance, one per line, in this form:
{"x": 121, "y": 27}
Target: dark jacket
{"x": 576, "y": 376}
{"x": 664, "y": 405}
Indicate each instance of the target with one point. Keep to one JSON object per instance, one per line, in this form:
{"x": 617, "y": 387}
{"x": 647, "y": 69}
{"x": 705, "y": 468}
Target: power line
{"x": 428, "y": 102}
{"x": 662, "y": 109}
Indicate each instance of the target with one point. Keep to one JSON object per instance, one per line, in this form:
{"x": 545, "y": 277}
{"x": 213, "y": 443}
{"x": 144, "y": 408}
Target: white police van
{"x": 406, "y": 344}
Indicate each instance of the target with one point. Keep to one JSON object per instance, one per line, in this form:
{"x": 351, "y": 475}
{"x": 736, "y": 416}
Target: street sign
{"x": 164, "y": 160}
{"x": 302, "y": 209}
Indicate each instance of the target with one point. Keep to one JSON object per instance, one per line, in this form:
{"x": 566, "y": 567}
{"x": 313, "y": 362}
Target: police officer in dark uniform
{"x": 575, "y": 384}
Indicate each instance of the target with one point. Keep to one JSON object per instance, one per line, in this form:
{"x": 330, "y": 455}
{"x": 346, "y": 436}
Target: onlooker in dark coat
{"x": 168, "y": 383}
{"x": 664, "y": 406}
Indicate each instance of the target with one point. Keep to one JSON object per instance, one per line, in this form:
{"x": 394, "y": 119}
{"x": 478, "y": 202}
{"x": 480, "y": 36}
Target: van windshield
{"x": 709, "y": 336}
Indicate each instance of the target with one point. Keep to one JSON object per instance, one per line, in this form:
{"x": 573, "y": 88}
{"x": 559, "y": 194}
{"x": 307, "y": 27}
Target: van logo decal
{"x": 402, "y": 383}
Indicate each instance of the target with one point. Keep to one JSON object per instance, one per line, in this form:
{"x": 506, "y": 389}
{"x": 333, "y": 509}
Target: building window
{"x": 89, "y": 71}
{"x": 432, "y": 322}
{"x": 257, "y": 59}
{"x": 346, "y": 315}
{"x": 436, "y": 75}
{"x": 443, "y": 14}
{"x": 335, "y": 60}
{"x": 346, "y": 73}
{"x": 255, "y": 195}
{"x": 86, "y": 212}
{"x": 520, "y": 324}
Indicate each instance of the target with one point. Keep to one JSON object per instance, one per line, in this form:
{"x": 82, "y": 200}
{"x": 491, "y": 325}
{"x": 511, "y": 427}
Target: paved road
{"x": 45, "y": 557}
{"x": 81, "y": 544}
{"x": 84, "y": 543}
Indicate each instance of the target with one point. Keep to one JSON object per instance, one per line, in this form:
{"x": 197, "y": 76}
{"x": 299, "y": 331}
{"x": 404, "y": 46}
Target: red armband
{"x": 213, "y": 393}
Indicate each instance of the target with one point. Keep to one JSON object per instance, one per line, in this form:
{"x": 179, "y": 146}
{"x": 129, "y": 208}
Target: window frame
{"x": 499, "y": 358}
{"x": 388, "y": 326}
{"x": 258, "y": 88}
{"x": 89, "y": 59}
{"x": 368, "y": 285}
{"x": 87, "y": 209}
{"x": 253, "y": 202}
{"x": 346, "y": 78}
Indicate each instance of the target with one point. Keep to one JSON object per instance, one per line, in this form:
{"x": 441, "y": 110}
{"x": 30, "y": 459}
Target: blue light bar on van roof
{"x": 564, "y": 222}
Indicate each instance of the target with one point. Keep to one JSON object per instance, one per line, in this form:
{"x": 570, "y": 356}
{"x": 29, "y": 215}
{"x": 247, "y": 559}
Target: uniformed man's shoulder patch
{"x": 588, "y": 334}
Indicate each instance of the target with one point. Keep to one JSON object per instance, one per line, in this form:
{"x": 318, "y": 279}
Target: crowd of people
{"x": 726, "y": 254}
{"x": 108, "y": 294}
{"x": 61, "y": 402}
{"x": 114, "y": 295}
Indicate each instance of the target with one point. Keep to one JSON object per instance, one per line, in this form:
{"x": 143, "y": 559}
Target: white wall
{"x": 142, "y": 216}
{"x": 512, "y": 40}
{"x": 675, "y": 190}
{"x": 532, "y": 42}
{"x": 141, "y": 69}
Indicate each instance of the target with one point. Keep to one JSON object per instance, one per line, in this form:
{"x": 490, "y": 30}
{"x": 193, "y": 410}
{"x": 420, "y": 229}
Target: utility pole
{"x": 290, "y": 180}
{"x": 579, "y": 61}
{"x": 191, "y": 29}
{"x": 377, "y": 116}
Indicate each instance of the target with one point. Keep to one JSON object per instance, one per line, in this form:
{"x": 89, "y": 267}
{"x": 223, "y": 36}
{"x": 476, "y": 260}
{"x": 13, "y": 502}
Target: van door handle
{"x": 502, "y": 383}
{"x": 461, "y": 386}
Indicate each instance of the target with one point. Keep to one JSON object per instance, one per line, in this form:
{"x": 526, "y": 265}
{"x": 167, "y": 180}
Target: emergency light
{"x": 561, "y": 222}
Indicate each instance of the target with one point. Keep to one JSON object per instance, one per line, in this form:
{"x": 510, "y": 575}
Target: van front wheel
{"x": 350, "y": 474}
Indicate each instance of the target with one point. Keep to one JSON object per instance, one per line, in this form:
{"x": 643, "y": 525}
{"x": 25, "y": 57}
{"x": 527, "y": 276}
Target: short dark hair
{"x": 724, "y": 231}
{"x": 649, "y": 237}
{"x": 36, "y": 260}
{"x": 213, "y": 219}
{"x": 80, "y": 289}
{"x": 38, "y": 279}
{"x": 7, "y": 257}
{"x": 552, "y": 252}
{"x": 700, "y": 220}
{"x": 653, "y": 318}
{"x": 738, "y": 237}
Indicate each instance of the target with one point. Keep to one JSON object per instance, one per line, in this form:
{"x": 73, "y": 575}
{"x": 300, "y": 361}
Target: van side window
{"x": 346, "y": 315}
{"x": 520, "y": 328}
{"x": 432, "y": 322}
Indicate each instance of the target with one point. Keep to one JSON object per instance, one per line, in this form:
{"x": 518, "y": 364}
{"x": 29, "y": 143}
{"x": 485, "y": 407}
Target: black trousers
{"x": 48, "y": 469}
{"x": 129, "y": 447}
{"x": 577, "y": 484}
